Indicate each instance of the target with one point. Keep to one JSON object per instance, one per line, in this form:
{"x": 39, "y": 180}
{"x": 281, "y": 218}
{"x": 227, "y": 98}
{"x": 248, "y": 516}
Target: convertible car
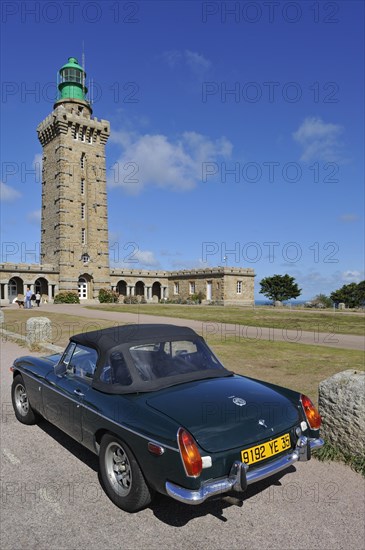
{"x": 163, "y": 414}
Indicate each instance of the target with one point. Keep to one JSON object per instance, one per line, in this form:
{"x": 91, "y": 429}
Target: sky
{"x": 237, "y": 131}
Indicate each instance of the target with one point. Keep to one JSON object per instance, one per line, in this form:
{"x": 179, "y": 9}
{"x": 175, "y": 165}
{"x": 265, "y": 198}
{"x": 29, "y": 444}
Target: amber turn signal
{"x": 189, "y": 453}
{"x": 311, "y": 413}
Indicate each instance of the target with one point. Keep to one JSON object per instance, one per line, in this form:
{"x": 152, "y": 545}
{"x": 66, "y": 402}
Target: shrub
{"x": 107, "y": 296}
{"x": 131, "y": 300}
{"x": 198, "y": 297}
{"x": 67, "y": 297}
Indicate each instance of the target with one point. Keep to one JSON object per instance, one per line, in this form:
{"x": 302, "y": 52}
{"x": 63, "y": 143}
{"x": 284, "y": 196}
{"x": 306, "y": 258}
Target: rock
{"x": 38, "y": 330}
{"x": 342, "y": 407}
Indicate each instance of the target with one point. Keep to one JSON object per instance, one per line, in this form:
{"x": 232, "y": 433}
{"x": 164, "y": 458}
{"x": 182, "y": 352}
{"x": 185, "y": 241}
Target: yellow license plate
{"x": 266, "y": 450}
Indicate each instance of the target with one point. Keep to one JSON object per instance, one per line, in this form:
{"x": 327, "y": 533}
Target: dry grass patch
{"x": 329, "y": 322}
{"x": 63, "y": 326}
{"x": 296, "y": 366}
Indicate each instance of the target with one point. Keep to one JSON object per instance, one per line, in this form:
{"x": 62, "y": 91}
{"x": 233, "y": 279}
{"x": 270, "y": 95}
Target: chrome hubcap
{"x": 21, "y": 400}
{"x": 118, "y": 468}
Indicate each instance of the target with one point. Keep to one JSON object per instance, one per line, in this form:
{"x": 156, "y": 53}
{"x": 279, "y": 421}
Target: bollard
{"x": 38, "y": 331}
{"x": 342, "y": 407}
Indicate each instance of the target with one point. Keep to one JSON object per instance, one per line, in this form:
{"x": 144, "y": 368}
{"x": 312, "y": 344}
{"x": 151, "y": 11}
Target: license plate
{"x": 266, "y": 450}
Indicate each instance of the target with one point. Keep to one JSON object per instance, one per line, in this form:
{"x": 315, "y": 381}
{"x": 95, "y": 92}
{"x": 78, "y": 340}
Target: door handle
{"x": 79, "y": 393}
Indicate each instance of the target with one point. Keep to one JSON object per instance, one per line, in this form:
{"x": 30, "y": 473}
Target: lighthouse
{"x": 74, "y": 223}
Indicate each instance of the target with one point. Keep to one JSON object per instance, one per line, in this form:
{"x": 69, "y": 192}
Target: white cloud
{"x": 189, "y": 264}
{"x": 352, "y": 276}
{"x": 156, "y": 160}
{"x": 7, "y": 193}
{"x": 146, "y": 258}
{"x": 34, "y": 217}
{"x": 172, "y": 57}
{"x": 195, "y": 61}
{"x": 319, "y": 140}
{"x": 132, "y": 257}
{"x": 349, "y": 218}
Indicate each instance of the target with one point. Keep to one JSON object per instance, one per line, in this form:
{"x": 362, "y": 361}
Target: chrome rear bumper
{"x": 240, "y": 475}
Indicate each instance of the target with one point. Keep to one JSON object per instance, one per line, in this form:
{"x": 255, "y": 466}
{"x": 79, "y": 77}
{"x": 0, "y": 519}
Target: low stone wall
{"x": 342, "y": 407}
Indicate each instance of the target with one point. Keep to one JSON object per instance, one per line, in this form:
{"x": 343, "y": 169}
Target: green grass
{"x": 297, "y": 366}
{"x": 328, "y": 321}
{"x": 330, "y": 453}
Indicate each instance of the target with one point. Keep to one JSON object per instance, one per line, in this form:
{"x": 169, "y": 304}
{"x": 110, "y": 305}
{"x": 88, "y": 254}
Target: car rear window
{"x": 158, "y": 360}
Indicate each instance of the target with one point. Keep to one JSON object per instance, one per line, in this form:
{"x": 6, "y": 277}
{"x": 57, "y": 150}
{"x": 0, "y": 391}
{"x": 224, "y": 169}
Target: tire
{"x": 22, "y": 408}
{"x": 121, "y": 476}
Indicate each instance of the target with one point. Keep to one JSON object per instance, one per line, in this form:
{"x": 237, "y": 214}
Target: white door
{"x": 82, "y": 289}
{"x": 209, "y": 290}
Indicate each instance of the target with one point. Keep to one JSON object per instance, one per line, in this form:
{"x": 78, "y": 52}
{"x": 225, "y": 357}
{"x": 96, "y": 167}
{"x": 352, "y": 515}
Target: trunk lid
{"x": 224, "y": 413}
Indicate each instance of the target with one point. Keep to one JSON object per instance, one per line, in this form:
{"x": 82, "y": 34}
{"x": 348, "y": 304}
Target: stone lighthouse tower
{"x": 74, "y": 227}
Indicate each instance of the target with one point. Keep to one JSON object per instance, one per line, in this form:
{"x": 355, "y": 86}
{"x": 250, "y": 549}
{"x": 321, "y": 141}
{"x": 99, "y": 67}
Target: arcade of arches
{"x": 227, "y": 286}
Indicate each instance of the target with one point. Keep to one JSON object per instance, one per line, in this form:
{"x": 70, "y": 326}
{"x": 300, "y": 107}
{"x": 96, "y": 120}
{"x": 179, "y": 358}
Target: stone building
{"x": 74, "y": 251}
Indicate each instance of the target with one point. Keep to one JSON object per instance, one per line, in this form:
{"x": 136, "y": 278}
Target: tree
{"x": 361, "y": 293}
{"x": 352, "y": 295}
{"x": 321, "y": 300}
{"x": 280, "y": 288}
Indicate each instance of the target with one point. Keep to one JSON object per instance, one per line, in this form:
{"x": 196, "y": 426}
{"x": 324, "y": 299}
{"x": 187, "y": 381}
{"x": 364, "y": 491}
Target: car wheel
{"x": 122, "y": 478}
{"x": 22, "y": 408}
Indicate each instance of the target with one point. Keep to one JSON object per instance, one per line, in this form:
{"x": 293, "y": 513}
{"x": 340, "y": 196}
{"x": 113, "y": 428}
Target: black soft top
{"x": 107, "y": 338}
{"x": 113, "y": 346}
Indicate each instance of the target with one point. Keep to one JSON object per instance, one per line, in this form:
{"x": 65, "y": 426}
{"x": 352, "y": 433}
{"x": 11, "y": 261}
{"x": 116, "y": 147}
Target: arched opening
{"x": 122, "y": 288}
{"x": 139, "y": 288}
{"x": 16, "y": 286}
{"x": 85, "y": 286}
{"x": 156, "y": 290}
{"x": 41, "y": 286}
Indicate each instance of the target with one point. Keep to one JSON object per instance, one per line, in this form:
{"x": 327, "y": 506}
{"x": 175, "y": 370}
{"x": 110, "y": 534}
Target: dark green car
{"x": 164, "y": 415}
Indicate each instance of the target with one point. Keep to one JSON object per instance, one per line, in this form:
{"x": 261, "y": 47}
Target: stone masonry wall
{"x": 342, "y": 407}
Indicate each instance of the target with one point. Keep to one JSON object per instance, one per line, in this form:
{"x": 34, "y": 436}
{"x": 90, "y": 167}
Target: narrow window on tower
{"x": 83, "y": 132}
{"x": 176, "y": 288}
{"x": 82, "y": 187}
{"x": 239, "y": 287}
{"x": 83, "y": 236}
{"x": 76, "y": 131}
{"x": 191, "y": 288}
{"x": 82, "y": 211}
{"x": 82, "y": 161}
{"x": 90, "y": 136}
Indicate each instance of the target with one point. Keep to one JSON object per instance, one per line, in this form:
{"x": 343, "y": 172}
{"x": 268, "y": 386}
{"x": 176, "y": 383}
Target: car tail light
{"x": 311, "y": 413}
{"x": 189, "y": 453}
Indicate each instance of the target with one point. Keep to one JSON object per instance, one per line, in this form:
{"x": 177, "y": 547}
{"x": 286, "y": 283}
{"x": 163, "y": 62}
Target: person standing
{"x": 37, "y": 299}
{"x": 28, "y": 297}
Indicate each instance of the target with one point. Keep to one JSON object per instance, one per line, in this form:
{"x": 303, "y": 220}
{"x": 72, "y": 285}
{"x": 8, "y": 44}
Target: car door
{"x": 66, "y": 388}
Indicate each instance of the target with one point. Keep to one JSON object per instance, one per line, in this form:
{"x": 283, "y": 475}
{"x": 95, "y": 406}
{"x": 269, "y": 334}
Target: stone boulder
{"x": 342, "y": 407}
{"x": 38, "y": 331}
